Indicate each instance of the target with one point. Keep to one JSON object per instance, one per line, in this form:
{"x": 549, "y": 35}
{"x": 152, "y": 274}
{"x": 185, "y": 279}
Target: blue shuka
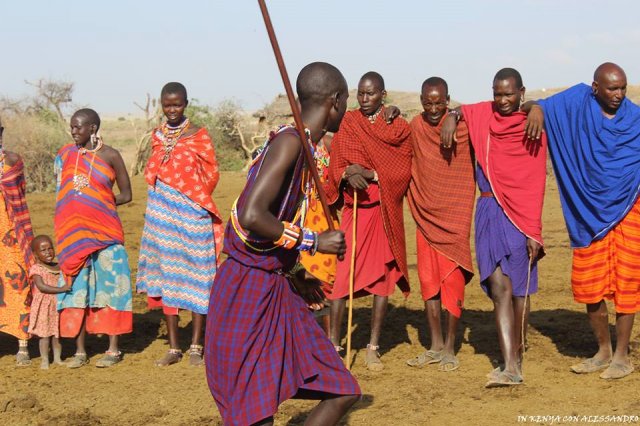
{"x": 596, "y": 161}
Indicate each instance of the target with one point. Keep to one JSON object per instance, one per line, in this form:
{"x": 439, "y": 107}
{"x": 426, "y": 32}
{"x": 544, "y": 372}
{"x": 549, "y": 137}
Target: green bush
{"x": 37, "y": 137}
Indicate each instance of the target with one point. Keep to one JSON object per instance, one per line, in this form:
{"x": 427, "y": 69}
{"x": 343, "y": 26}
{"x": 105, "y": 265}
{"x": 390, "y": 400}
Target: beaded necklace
{"x": 372, "y": 118}
{"x": 300, "y": 211}
{"x": 171, "y": 135}
{"x": 81, "y": 181}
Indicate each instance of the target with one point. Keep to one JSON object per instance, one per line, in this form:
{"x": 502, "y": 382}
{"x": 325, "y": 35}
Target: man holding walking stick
{"x": 372, "y": 156}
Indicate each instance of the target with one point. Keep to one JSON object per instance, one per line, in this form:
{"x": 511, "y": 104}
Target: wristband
{"x": 289, "y": 237}
{"x": 455, "y": 113}
{"x": 309, "y": 239}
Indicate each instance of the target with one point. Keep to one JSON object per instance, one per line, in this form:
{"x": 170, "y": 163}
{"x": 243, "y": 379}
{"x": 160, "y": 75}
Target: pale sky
{"x": 116, "y": 51}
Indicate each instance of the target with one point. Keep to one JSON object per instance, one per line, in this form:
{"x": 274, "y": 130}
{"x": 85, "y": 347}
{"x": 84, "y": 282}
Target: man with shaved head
{"x": 511, "y": 175}
{"x": 594, "y": 139}
{"x": 263, "y": 345}
{"x": 441, "y": 196}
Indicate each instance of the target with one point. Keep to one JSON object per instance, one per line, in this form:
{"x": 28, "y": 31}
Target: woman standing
{"x": 183, "y": 229}
{"x": 90, "y": 240}
{"x": 15, "y": 251}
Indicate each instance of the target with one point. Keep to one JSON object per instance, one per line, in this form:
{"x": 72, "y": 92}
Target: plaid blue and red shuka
{"x": 262, "y": 344}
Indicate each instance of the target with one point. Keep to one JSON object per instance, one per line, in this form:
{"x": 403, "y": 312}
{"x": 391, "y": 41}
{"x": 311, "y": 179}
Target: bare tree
{"x": 230, "y": 119}
{"x": 250, "y": 146}
{"x": 54, "y": 94}
{"x": 152, "y": 117}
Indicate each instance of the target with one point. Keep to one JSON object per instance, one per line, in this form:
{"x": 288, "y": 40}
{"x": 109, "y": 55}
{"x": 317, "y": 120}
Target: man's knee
{"x": 348, "y": 400}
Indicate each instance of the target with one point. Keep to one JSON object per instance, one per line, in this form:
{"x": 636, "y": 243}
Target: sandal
{"x": 449, "y": 363}
{"x": 22, "y": 358}
{"x": 504, "y": 379}
{"x": 171, "y": 357}
{"x": 195, "y": 355}
{"x": 617, "y": 371}
{"x": 78, "y": 361}
{"x": 590, "y": 365}
{"x": 109, "y": 359}
{"x": 372, "y": 359}
{"x": 494, "y": 373}
{"x": 427, "y": 357}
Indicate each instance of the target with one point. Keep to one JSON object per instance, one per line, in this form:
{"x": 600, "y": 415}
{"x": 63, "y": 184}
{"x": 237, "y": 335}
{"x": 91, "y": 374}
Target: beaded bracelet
{"x": 309, "y": 239}
{"x": 289, "y": 237}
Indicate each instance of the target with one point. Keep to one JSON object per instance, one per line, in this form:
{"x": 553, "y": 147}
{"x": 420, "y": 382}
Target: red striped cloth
{"x": 442, "y": 191}
{"x": 609, "y": 268}
{"x": 385, "y": 148}
{"x": 13, "y": 191}
{"x": 85, "y": 221}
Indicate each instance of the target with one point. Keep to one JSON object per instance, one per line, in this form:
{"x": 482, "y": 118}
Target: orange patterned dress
{"x": 14, "y": 280}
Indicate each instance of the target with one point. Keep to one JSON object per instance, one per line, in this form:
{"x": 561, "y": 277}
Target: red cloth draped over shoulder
{"x": 13, "y": 190}
{"x": 442, "y": 191}
{"x": 514, "y": 165}
{"x": 385, "y": 148}
{"x": 192, "y": 169}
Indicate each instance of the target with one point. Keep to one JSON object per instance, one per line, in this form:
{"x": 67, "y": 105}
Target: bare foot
{"x": 44, "y": 365}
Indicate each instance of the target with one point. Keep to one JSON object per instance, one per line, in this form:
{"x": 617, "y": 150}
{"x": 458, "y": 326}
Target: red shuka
{"x": 385, "y": 148}
{"x": 442, "y": 191}
{"x": 514, "y": 165}
{"x": 192, "y": 169}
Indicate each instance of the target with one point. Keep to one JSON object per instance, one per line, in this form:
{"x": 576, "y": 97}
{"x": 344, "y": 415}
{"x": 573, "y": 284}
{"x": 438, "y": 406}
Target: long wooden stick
{"x": 352, "y": 271}
{"x": 296, "y": 113}
{"x": 524, "y": 312}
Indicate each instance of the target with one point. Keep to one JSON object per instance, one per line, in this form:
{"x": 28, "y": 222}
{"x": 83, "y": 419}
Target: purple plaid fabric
{"x": 262, "y": 344}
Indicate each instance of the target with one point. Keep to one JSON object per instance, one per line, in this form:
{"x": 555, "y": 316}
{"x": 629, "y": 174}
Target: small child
{"x": 44, "y": 317}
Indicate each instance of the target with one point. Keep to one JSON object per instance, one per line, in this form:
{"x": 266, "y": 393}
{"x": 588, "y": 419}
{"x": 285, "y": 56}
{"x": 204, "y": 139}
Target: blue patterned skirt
{"x": 177, "y": 253}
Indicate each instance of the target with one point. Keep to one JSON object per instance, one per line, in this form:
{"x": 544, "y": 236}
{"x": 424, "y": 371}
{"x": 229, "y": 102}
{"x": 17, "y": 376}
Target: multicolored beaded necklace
{"x": 300, "y": 211}
{"x": 171, "y": 136}
{"x": 81, "y": 181}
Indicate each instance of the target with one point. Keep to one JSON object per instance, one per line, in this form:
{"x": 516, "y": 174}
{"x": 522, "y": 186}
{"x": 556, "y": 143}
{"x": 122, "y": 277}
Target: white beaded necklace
{"x": 81, "y": 181}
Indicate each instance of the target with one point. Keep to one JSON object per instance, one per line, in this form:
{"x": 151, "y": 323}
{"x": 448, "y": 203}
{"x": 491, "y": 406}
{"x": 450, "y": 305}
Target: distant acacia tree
{"x": 52, "y": 95}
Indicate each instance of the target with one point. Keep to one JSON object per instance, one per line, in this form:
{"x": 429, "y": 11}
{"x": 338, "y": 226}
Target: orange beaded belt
{"x": 486, "y": 194}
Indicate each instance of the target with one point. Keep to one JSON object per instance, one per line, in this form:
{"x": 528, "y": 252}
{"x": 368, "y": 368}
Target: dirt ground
{"x": 135, "y": 392}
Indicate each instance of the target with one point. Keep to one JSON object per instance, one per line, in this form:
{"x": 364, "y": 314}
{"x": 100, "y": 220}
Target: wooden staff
{"x": 524, "y": 311}
{"x": 296, "y": 114}
{"x": 352, "y": 270}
